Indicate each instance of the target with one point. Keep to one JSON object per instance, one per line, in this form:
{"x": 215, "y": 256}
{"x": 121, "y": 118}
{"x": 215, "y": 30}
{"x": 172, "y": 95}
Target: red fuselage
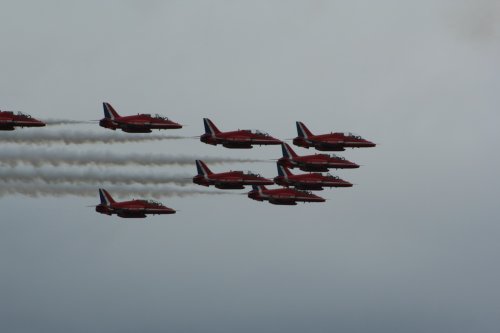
{"x": 332, "y": 142}
{"x": 317, "y": 162}
{"x": 141, "y": 123}
{"x": 311, "y": 181}
{"x": 134, "y": 208}
{"x": 231, "y": 180}
{"x": 9, "y": 120}
{"x": 239, "y": 139}
{"x": 283, "y": 196}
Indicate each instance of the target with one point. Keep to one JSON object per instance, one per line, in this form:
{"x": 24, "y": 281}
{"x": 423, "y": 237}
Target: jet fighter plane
{"x": 9, "y": 120}
{"x": 328, "y": 142}
{"x": 316, "y": 162}
{"x": 130, "y": 209}
{"x": 282, "y": 196}
{"x": 308, "y": 181}
{"x": 235, "y": 139}
{"x": 232, "y": 180}
{"x": 140, "y": 123}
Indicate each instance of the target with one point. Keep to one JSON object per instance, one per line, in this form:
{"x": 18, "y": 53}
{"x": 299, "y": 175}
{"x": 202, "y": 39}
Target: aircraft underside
{"x": 313, "y": 168}
{"x": 229, "y": 186}
{"x": 323, "y": 147}
{"x": 237, "y": 145}
{"x": 283, "y": 202}
{"x": 309, "y": 187}
{"x": 129, "y": 129}
{"x": 132, "y": 215}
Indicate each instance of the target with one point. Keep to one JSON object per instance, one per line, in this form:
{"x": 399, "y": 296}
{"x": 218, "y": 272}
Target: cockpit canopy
{"x": 337, "y": 157}
{"x": 158, "y": 116}
{"x": 19, "y": 113}
{"x": 305, "y": 191}
{"x": 352, "y": 135}
{"x": 257, "y": 132}
{"x": 329, "y": 175}
{"x": 154, "y": 203}
{"x": 250, "y": 173}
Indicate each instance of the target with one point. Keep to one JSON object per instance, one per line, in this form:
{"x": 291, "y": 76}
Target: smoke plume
{"x": 37, "y": 189}
{"x": 55, "y": 122}
{"x": 40, "y": 137}
{"x": 91, "y": 176}
{"x": 43, "y": 156}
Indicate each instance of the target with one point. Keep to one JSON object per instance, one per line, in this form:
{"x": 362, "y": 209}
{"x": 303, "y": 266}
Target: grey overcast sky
{"x": 412, "y": 247}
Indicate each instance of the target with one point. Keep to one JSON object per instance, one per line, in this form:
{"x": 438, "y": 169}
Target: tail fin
{"x": 203, "y": 170}
{"x": 287, "y": 151}
{"x": 283, "y": 171}
{"x": 302, "y": 130}
{"x": 210, "y": 128}
{"x": 106, "y": 198}
{"x": 109, "y": 112}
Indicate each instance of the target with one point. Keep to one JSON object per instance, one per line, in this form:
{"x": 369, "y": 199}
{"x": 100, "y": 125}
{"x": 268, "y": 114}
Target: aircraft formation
{"x": 293, "y": 188}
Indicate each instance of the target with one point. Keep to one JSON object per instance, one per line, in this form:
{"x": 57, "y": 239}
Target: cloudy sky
{"x": 412, "y": 247}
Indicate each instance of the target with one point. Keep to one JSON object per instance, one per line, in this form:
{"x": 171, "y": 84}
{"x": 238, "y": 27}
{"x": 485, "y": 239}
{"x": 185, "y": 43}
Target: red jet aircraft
{"x": 328, "y": 142}
{"x": 308, "y": 181}
{"x": 235, "y": 139}
{"x": 9, "y": 120}
{"x": 232, "y": 180}
{"x": 282, "y": 196}
{"x": 130, "y": 209}
{"x": 140, "y": 123}
{"x": 316, "y": 162}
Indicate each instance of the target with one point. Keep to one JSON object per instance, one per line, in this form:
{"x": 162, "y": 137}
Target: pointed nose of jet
{"x": 37, "y": 123}
{"x": 317, "y": 198}
{"x": 344, "y": 183}
{"x": 166, "y": 210}
{"x": 351, "y": 165}
{"x": 369, "y": 144}
{"x": 275, "y": 141}
{"x": 175, "y": 125}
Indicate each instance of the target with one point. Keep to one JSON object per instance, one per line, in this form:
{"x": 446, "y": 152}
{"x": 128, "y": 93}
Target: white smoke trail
{"x": 37, "y": 189}
{"x": 42, "y": 156}
{"x": 90, "y": 176}
{"x": 55, "y": 122}
{"x": 41, "y": 137}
